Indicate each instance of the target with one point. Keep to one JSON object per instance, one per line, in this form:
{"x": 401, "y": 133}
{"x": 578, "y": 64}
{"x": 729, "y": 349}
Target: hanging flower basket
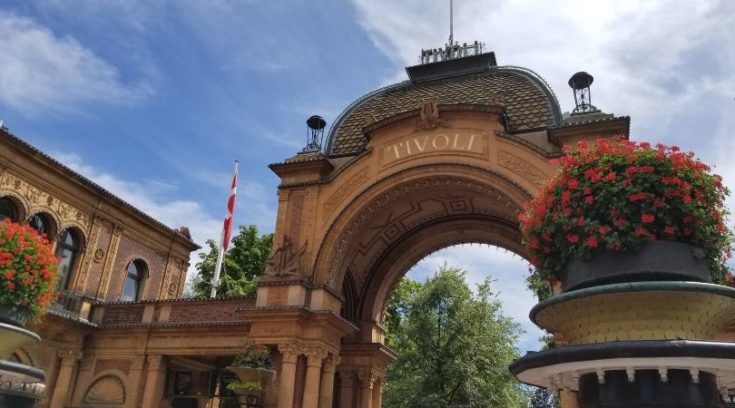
{"x": 617, "y": 196}
{"x": 28, "y": 273}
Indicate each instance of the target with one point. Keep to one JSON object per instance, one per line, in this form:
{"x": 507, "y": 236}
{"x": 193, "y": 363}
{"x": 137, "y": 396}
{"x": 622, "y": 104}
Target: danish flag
{"x": 227, "y": 227}
{"x": 226, "y": 234}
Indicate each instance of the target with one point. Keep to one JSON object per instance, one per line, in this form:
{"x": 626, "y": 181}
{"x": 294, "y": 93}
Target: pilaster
{"x": 60, "y": 394}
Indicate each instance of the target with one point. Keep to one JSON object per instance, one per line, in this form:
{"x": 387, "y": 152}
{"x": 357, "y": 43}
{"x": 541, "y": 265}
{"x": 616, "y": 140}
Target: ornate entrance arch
{"x": 409, "y": 169}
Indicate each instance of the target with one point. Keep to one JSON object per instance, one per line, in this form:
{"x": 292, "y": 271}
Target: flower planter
{"x": 656, "y": 261}
{"x": 13, "y": 314}
{"x": 262, "y": 376}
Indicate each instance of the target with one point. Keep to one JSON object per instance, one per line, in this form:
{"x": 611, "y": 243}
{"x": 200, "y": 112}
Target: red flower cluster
{"x": 27, "y": 268}
{"x": 617, "y": 194}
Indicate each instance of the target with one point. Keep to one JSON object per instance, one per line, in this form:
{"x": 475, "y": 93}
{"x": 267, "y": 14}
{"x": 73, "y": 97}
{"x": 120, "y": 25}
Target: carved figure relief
{"x": 429, "y": 114}
{"x": 285, "y": 261}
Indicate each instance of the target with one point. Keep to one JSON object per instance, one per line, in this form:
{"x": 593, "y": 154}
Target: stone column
{"x": 289, "y": 355}
{"x": 314, "y": 358}
{"x": 347, "y": 389}
{"x": 86, "y": 367}
{"x": 60, "y": 395}
{"x": 327, "y": 387}
{"x": 378, "y": 393}
{"x": 134, "y": 378}
{"x": 367, "y": 380}
{"x": 155, "y": 381}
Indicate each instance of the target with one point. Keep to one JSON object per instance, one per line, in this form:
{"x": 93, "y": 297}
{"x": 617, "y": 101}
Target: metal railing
{"x": 69, "y": 304}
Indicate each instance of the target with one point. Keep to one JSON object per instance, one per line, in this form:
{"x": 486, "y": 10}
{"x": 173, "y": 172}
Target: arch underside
{"x": 395, "y": 227}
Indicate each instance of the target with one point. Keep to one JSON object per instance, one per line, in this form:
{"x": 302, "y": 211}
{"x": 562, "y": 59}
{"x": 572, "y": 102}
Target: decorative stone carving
{"x": 106, "y": 390}
{"x": 99, "y": 255}
{"x": 35, "y": 197}
{"x": 498, "y": 98}
{"x": 522, "y": 168}
{"x": 285, "y": 262}
{"x": 345, "y": 190}
{"x": 69, "y": 356}
{"x": 429, "y": 114}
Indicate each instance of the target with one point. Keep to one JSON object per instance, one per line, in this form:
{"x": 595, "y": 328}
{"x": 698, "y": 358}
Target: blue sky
{"x": 154, "y": 99}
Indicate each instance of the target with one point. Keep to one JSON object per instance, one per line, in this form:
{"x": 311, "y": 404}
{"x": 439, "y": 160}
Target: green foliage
{"x": 541, "y": 398}
{"x": 254, "y": 356}
{"x": 398, "y": 307}
{"x": 252, "y": 386}
{"x": 243, "y": 263}
{"x": 454, "y": 346}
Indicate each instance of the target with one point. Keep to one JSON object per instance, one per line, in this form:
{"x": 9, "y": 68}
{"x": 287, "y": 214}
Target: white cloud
{"x": 41, "y": 72}
{"x": 666, "y": 63}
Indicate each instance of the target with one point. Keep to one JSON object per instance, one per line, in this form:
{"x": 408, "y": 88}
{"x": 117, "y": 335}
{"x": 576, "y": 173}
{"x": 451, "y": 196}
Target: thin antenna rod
{"x": 451, "y": 22}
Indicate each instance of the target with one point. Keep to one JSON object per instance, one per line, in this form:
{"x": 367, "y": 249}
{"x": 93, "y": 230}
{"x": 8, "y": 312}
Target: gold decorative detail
{"x": 99, "y": 255}
{"x": 631, "y": 316}
{"x": 345, "y": 190}
{"x": 106, "y": 390}
{"x": 109, "y": 262}
{"x": 172, "y": 288}
{"x": 36, "y": 197}
{"x": 522, "y": 168}
{"x": 285, "y": 262}
{"x": 498, "y": 98}
{"x": 429, "y": 114}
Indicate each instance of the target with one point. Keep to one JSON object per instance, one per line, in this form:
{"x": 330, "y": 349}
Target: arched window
{"x": 41, "y": 223}
{"x": 136, "y": 273}
{"x": 8, "y": 209}
{"x": 67, "y": 249}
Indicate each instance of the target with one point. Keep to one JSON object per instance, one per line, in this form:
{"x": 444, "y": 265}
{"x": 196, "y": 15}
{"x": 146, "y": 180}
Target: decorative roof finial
{"x": 451, "y": 22}
{"x": 451, "y": 49}
{"x": 580, "y": 84}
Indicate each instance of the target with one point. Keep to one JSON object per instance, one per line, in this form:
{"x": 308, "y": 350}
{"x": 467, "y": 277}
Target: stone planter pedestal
{"x": 20, "y": 385}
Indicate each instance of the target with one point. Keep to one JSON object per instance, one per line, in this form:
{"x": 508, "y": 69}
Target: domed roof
{"x": 530, "y": 103}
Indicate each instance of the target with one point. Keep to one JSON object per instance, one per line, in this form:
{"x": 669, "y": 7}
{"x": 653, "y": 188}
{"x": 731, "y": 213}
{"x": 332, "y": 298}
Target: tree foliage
{"x": 541, "y": 398}
{"x": 454, "y": 346}
{"x": 243, "y": 263}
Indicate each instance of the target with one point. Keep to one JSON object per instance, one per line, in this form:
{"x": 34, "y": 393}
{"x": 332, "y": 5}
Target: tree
{"x": 454, "y": 347}
{"x": 541, "y": 398}
{"x": 398, "y": 307}
{"x": 243, "y": 263}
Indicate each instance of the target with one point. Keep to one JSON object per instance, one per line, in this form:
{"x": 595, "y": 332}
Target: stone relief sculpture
{"x": 285, "y": 261}
{"x": 429, "y": 114}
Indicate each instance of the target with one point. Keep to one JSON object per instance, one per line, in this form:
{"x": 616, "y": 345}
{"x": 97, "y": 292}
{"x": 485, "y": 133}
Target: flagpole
{"x": 226, "y": 231}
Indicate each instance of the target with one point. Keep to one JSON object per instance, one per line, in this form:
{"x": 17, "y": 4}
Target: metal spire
{"x": 451, "y": 22}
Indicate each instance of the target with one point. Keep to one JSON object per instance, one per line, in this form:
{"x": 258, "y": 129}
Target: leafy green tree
{"x": 541, "y": 398}
{"x": 398, "y": 307}
{"x": 243, "y": 263}
{"x": 454, "y": 347}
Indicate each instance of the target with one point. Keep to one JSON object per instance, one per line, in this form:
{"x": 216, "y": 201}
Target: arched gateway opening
{"x": 446, "y": 158}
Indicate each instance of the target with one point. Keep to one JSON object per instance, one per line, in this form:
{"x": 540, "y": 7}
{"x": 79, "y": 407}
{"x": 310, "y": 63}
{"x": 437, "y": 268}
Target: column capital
{"x": 155, "y": 362}
{"x": 330, "y": 363}
{"x": 69, "y": 357}
{"x": 367, "y": 379}
{"x": 290, "y": 351}
{"x": 136, "y": 362}
{"x": 315, "y": 353}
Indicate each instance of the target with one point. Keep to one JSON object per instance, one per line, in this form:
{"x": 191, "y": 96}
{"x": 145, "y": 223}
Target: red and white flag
{"x": 226, "y": 234}
{"x": 227, "y": 227}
